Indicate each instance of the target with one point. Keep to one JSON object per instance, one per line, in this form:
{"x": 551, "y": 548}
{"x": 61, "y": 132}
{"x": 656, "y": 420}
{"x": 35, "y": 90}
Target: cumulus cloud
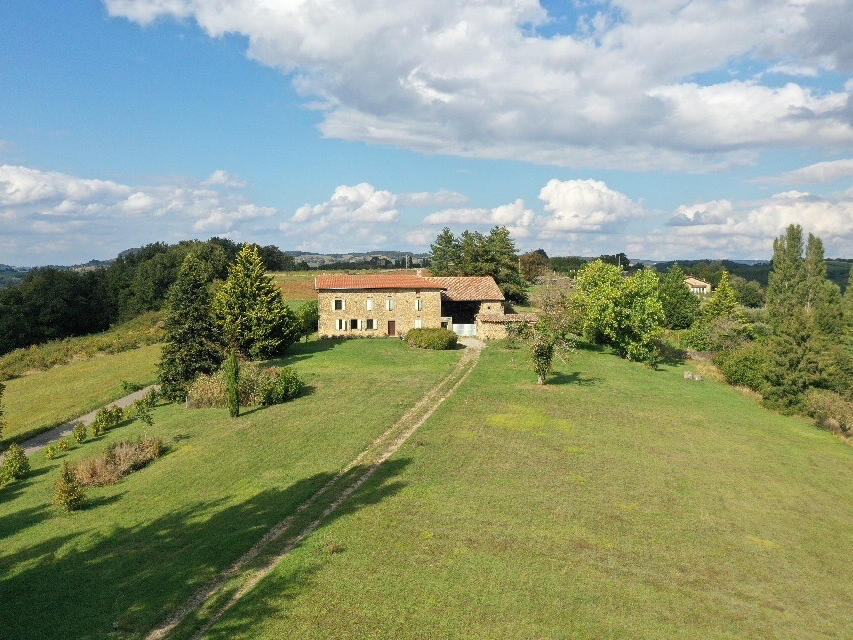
{"x": 221, "y": 177}
{"x": 46, "y": 211}
{"x": 585, "y": 205}
{"x": 746, "y": 229}
{"x": 829, "y": 171}
{"x": 514, "y": 215}
{"x": 618, "y": 89}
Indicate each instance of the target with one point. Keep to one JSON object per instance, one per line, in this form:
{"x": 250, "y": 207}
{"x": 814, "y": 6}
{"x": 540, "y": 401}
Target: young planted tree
{"x": 250, "y": 309}
{"x": 444, "y": 254}
{"x": 68, "y": 493}
{"x": 680, "y": 305}
{"x": 232, "y": 383}
{"x": 191, "y": 345}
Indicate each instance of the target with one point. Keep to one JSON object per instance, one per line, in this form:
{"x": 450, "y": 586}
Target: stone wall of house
{"x": 491, "y": 330}
{"x": 491, "y": 307}
{"x": 355, "y": 302}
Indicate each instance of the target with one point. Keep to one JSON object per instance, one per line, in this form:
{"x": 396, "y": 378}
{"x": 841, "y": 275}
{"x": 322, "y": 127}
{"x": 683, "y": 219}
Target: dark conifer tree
{"x": 191, "y": 339}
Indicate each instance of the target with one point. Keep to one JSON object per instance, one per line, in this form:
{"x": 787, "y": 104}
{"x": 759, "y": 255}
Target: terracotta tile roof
{"x": 377, "y": 281}
{"x": 507, "y": 317}
{"x": 465, "y": 288}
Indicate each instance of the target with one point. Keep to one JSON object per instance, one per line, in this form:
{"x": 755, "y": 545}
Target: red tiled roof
{"x": 464, "y": 288}
{"x": 377, "y": 281}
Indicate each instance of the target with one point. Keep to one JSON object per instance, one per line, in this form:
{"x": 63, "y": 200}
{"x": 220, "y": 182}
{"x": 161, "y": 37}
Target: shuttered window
{"x": 340, "y": 304}
{"x": 389, "y": 304}
{"x": 370, "y": 304}
{"x": 419, "y": 323}
{"x": 419, "y": 304}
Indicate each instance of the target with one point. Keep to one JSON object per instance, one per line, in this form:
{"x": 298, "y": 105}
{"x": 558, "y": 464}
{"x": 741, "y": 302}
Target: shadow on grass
{"x": 572, "y": 378}
{"x": 94, "y": 581}
{"x": 305, "y": 350}
{"x": 273, "y": 594}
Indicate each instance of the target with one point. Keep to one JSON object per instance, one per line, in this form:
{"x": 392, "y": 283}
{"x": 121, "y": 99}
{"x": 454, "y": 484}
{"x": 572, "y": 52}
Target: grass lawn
{"x": 114, "y": 569}
{"x": 615, "y": 502}
{"x": 43, "y": 399}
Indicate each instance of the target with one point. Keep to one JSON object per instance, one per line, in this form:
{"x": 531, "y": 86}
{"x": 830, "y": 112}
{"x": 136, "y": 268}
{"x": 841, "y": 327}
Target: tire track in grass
{"x": 376, "y": 453}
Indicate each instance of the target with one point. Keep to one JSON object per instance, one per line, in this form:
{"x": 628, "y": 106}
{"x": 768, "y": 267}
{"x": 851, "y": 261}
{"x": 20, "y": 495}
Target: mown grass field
{"x": 616, "y": 502}
{"x": 43, "y": 399}
{"x": 115, "y": 569}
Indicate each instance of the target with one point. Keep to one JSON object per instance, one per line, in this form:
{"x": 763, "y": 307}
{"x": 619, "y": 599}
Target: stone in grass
{"x": 689, "y": 375}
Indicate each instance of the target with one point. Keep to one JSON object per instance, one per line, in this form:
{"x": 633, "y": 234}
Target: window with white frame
{"x": 340, "y": 305}
{"x": 370, "y": 304}
{"x": 419, "y": 323}
{"x": 342, "y": 324}
{"x": 370, "y": 324}
{"x": 389, "y": 304}
{"x": 419, "y": 304}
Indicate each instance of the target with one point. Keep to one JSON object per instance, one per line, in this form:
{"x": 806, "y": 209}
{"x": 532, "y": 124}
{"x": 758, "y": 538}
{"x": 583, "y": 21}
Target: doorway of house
{"x": 392, "y": 328}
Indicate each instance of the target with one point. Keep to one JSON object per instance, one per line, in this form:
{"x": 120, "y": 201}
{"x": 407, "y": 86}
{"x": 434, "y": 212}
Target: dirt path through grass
{"x": 45, "y": 438}
{"x": 263, "y": 557}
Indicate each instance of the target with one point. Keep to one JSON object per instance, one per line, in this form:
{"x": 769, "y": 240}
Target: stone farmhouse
{"x": 697, "y": 286}
{"x": 393, "y": 304}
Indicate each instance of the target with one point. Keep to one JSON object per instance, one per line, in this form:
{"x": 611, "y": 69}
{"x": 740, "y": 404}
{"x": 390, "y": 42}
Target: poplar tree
{"x": 191, "y": 346}
{"x": 786, "y": 280}
{"x": 250, "y": 310}
{"x": 444, "y": 254}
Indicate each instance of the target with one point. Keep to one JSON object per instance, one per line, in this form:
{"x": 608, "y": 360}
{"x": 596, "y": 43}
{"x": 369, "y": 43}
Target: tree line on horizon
{"x": 52, "y": 303}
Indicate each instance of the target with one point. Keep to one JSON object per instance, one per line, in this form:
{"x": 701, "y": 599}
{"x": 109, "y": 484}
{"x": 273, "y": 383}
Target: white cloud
{"x": 814, "y": 173}
{"x": 746, "y": 229}
{"x": 514, "y": 215}
{"x": 475, "y": 79}
{"x": 50, "y": 210}
{"x": 585, "y": 205}
{"x": 221, "y": 177}
{"x": 352, "y": 209}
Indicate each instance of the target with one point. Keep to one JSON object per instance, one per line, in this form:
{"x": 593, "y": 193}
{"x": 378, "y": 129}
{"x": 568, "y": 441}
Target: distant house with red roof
{"x": 393, "y": 304}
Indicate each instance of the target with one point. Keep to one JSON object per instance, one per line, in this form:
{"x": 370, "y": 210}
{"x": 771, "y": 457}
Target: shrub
{"x": 438, "y": 339}
{"x": 63, "y": 444}
{"x": 830, "y": 410}
{"x": 717, "y": 334}
{"x": 15, "y": 465}
{"x": 117, "y": 461}
{"x": 69, "y": 492}
{"x": 745, "y": 366}
{"x": 282, "y": 385}
{"x": 50, "y": 451}
{"x": 131, "y": 387}
{"x": 79, "y": 432}
{"x": 257, "y": 386}
{"x": 106, "y": 419}
{"x": 141, "y": 409}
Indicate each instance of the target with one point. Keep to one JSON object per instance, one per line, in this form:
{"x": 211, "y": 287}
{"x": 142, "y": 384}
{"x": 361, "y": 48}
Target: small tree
{"x": 251, "y": 311}
{"x": 16, "y": 466}
{"x": 308, "y": 316}
{"x": 723, "y": 302}
{"x": 542, "y": 351}
{"x": 68, "y": 493}
{"x": 232, "y": 382}
{"x": 191, "y": 342}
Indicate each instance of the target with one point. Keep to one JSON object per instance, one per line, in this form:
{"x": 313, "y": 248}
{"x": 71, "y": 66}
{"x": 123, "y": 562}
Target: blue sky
{"x": 667, "y": 131}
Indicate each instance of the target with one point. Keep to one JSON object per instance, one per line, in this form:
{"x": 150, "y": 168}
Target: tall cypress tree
{"x": 191, "y": 340}
{"x": 444, "y": 254}
{"x": 251, "y": 311}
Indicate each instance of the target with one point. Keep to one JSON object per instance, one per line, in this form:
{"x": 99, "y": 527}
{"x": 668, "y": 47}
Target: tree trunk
{"x": 541, "y": 380}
